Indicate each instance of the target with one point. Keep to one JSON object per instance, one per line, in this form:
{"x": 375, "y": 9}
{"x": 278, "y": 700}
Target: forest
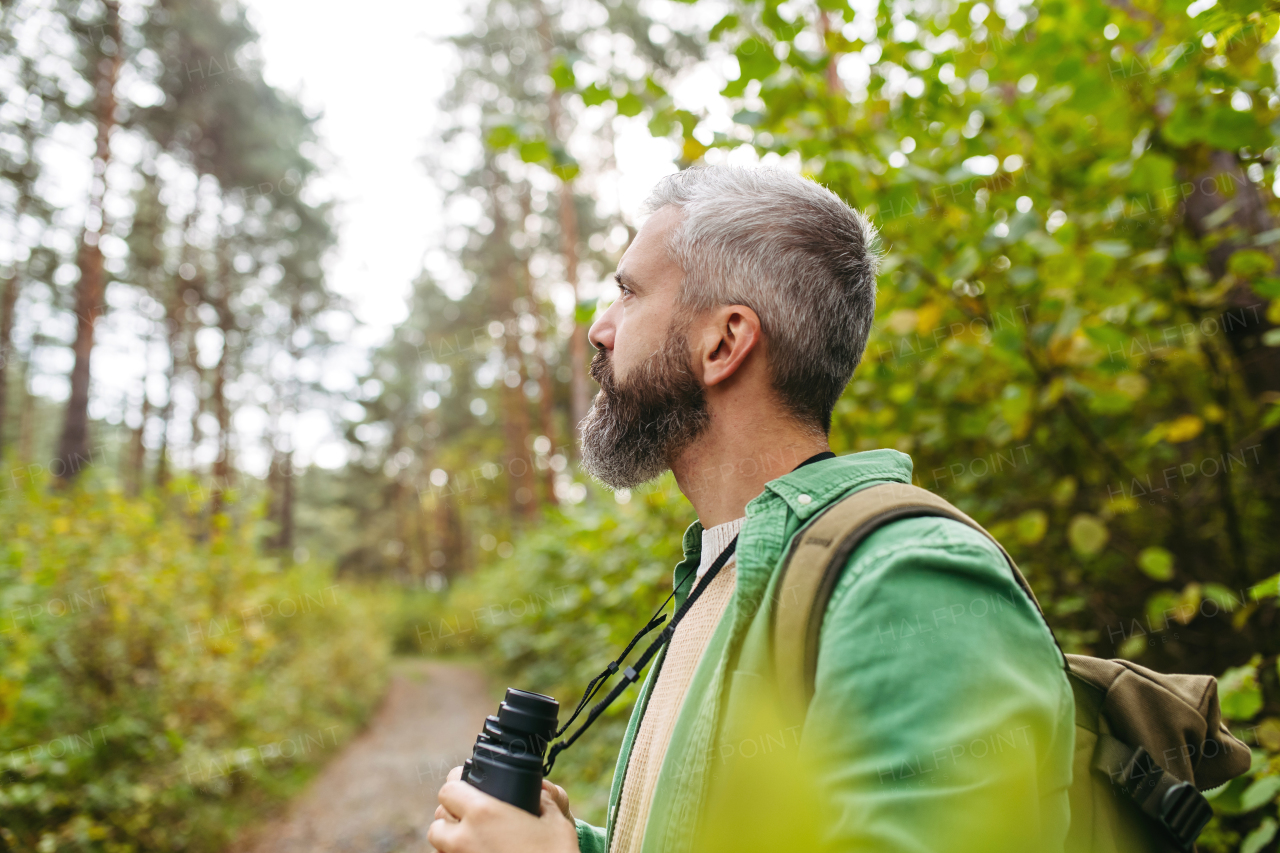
{"x": 1077, "y": 341}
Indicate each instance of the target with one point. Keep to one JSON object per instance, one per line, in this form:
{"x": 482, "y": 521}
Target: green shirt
{"x": 941, "y": 718}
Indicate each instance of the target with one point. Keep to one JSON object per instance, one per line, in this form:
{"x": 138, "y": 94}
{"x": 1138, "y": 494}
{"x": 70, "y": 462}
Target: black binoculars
{"x": 506, "y": 761}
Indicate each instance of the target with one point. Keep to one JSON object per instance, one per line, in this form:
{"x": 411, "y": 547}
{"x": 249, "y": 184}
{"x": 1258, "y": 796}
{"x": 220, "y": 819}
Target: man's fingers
{"x": 443, "y": 814}
{"x": 444, "y": 836}
{"x": 458, "y": 798}
{"x": 454, "y": 775}
{"x": 559, "y": 797}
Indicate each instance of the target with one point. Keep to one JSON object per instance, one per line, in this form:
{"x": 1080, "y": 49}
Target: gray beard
{"x": 636, "y": 428}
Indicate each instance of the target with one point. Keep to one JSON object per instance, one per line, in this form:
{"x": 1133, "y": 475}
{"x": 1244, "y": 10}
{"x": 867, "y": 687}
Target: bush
{"x": 157, "y": 686}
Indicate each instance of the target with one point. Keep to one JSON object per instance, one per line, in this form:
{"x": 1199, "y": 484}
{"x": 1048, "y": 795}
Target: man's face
{"x": 650, "y": 404}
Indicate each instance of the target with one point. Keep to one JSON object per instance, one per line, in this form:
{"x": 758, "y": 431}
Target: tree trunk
{"x": 546, "y": 387}
{"x": 138, "y": 455}
{"x": 834, "y": 86}
{"x": 401, "y": 497}
{"x": 1260, "y": 364}
{"x": 515, "y": 405}
{"x": 420, "y": 500}
{"x": 8, "y": 306}
{"x": 173, "y": 320}
{"x": 284, "y": 513}
{"x": 197, "y": 434}
{"x": 73, "y": 447}
{"x": 221, "y": 407}
{"x": 27, "y": 414}
{"x": 447, "y": 528}
{"x": 295, "y": 394}
{"x": 579, "y": 389}
{"x": 174, "y": 328}
{"x": 1244, "y": 320}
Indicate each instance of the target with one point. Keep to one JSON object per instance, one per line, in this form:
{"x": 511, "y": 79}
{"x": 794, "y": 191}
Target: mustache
{"x": 601, "y": 369}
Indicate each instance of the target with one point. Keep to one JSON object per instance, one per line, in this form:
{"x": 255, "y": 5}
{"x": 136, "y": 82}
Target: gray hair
{"x": 793, "y": 252}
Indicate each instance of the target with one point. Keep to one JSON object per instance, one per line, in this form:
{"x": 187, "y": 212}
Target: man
{"x": 941, "y": 719}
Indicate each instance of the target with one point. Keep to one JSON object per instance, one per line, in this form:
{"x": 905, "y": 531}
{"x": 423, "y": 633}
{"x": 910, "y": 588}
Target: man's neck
{"x": 729, "y": 465}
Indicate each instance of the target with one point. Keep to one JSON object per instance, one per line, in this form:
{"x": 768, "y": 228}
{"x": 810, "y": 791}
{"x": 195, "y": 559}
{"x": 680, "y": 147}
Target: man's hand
{"x": 470, "y": 821}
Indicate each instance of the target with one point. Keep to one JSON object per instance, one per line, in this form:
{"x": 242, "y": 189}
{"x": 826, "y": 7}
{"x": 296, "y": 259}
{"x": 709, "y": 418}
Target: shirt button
{"x": 805, "y": 500}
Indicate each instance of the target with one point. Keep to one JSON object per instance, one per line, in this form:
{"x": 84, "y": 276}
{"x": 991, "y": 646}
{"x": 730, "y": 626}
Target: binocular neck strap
{"x": 632, "y": 673}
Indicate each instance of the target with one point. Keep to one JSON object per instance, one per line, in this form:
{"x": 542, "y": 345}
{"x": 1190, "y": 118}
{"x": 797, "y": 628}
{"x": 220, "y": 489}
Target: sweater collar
{"x": 714, "y": 541}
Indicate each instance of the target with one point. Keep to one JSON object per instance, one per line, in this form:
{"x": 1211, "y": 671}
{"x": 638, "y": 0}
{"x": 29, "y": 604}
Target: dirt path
{"x": 378, "y": 796}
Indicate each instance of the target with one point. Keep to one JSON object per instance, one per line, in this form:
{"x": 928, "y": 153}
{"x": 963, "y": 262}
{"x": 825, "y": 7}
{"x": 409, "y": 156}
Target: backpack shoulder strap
{"x": 817, "y": 558}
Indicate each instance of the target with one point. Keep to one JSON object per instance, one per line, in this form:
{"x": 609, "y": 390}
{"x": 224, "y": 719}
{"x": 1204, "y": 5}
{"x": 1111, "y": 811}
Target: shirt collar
{"x": 811, "y": 488}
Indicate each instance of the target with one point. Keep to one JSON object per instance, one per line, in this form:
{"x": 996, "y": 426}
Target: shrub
{"x": 155, "y": 685}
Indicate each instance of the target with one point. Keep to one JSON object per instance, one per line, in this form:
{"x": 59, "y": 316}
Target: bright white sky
{"x": 376, "y": 78}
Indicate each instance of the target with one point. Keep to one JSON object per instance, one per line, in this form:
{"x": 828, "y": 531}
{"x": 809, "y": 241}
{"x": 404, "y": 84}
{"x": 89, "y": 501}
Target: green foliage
{"x": 156, "y": 687}
{"x": 1076, "y": 333}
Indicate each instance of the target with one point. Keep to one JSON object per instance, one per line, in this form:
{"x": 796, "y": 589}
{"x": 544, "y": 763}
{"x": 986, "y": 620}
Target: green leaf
{"x": 1087, "y": 534}
{"x": 1156, "y": 563}
{"x": 755, "y": 60}
{"x": 1131, "y": 648}
{"x": 1226, "y": 798}
{"x": 1238, "y": 692}
{"x": 562, "y": 74}
{"x": 503, "y": 136}
{"x": 725, "y": 24}
{"x": 1229, "y": 128}
{"x": 535, "y": 151}
{"x": 662, "y": 123}
{"x": 1031, "y": 526}
{"x": 1250, "y": 263}
{"x": 1152, "y": 174}
{"x": 1260, "y": 793}
{"x": 1260, "y": 837}
{"x": 1108, "y": 336}
{"x": 595, "y": 94}
{"x": 1269, "y": 588}
{"x": 584, "y": 313}
{"x": 566, "y": 171}
{"x": 964, "y": 264}
{"x": 1182, "y": 127}
{"x": 1064, "y": 491}
{"x": 1222, "y": 596}
{"x": 630, "y": 105}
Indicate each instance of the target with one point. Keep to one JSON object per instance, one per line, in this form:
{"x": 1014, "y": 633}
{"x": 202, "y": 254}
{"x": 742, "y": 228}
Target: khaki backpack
{"x": 1146, "y": 743}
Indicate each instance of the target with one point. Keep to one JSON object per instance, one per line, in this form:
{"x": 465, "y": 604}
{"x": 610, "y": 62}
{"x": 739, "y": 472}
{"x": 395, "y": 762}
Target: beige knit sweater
{"x": 685, "y": 651}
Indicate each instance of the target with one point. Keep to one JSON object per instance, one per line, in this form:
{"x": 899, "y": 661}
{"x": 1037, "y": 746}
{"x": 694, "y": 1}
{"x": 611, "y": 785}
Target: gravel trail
{"x": 379, "y": 794}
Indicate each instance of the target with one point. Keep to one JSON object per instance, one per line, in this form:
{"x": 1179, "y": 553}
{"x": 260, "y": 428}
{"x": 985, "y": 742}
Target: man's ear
{"x": 728, "y": 337}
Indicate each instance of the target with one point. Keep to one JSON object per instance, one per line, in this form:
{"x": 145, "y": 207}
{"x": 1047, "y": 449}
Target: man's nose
{"x": 602, "y": 330}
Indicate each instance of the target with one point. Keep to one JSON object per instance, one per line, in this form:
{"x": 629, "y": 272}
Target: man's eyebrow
{"x": 624, "y": 280}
